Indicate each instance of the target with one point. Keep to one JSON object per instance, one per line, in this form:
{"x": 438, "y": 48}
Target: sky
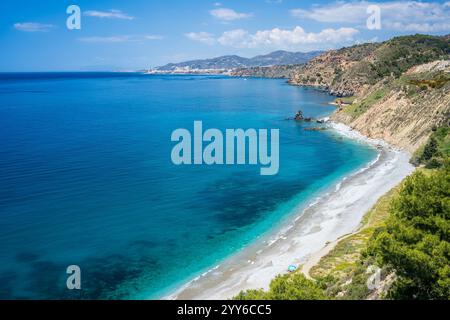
{"x": 119, "y": 35}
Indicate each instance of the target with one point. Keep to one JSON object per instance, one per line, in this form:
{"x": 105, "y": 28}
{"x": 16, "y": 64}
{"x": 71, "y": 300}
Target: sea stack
{"x": 299, "y": 116}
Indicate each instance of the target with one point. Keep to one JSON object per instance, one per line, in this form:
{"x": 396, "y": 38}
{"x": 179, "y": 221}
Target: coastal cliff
{"x": 274, "y": 72}
{"x": 402, "y": 111}
{"x": 397, "y": 90}
{"x": 341, "y": 72}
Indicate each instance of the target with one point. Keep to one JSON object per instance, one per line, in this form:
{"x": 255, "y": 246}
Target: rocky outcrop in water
{"x": 299, "y": 116}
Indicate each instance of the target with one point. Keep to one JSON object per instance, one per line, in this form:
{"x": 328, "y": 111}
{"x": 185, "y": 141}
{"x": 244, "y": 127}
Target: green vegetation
{"x": 286, "y": 287}
{"x": 437, "y": 82}
{"x": 333, "y": 271}
{"x": 345, "y": 100}
{"x": 406, "y": 234}
{"x": 357, "y": 109}
{"x": 415, "y": 242}
{"x": 402, "y": 53}
{"x": 391, "y": 59}
{"x": 414, "y": 86}
{"x": 432, "y": 155}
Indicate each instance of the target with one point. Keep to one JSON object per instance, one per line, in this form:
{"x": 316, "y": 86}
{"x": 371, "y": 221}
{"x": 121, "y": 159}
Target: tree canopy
{"x": 415, "y": 242}
{"x": 286, "y": 287}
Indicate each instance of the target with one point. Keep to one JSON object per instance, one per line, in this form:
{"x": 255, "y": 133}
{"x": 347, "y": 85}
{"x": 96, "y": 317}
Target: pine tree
{"x": 431, "y": 149}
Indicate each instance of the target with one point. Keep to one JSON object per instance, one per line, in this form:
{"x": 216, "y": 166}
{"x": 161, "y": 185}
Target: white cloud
{"x": 225, "y": 14}
{"x": 286, "y": 39}
{"x": 236, "y": 38}
{"x": 120, "y": 39}
{"x": 203, "y": 37}
{"x": 396, "y": 15}
{"x": 110, "y": 14}
{"x": 339, "y": 12}
{"x": 276, "y": 38}
{"x": 33, "y": 27}
{"x": 152, "y": 37}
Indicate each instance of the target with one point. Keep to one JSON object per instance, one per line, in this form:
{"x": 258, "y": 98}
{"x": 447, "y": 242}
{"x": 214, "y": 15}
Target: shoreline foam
{"x": 324, "y": 220}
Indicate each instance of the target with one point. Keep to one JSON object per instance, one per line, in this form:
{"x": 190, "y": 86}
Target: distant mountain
{"x": 276, "y": 58}
{"x": 281, "y": 58}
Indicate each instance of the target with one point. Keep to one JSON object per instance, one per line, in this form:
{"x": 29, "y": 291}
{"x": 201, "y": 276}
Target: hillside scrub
{"x": 286, "y": 287}
{"x": 415, "y": 243}
{"x": 432, "y": 155}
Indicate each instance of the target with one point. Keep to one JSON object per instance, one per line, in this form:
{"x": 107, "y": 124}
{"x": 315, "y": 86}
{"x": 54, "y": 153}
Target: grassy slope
{"x": 414, "y": 87}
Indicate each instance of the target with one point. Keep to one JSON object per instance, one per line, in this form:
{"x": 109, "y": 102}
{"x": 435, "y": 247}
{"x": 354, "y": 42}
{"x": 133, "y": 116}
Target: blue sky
{"x": 130, "y": 35}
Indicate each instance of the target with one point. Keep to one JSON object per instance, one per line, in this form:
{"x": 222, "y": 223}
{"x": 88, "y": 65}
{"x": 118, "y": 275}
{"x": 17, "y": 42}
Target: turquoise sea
{"x": 86, "y": 178}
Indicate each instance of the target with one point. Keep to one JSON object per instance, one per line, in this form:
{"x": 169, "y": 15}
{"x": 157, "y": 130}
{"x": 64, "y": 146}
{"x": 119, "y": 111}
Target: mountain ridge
{"x": 229, "y": 62}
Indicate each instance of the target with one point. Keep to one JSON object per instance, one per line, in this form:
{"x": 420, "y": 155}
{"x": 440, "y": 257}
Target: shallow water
{"x": 86, "y": 178}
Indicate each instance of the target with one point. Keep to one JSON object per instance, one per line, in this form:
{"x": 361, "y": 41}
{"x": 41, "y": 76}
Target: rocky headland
{"x": 397, "y": 90}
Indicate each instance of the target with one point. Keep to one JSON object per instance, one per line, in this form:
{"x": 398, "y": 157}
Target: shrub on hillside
{"x": 286, "y": 287}
{"x": 416, "y": 240}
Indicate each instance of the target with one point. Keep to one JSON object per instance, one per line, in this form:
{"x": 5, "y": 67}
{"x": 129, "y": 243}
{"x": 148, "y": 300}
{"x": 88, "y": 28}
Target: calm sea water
{"x": 86, "y": 178}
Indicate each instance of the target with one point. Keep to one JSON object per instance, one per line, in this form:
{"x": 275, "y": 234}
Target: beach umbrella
{"x": 292, "y": 268}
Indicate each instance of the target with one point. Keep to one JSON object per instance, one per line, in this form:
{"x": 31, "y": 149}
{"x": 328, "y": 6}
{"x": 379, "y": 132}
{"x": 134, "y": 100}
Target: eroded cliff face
{"x": 400, "y": 88}
{"x": 338, "y": 71}
{"x": 403, "y": 111}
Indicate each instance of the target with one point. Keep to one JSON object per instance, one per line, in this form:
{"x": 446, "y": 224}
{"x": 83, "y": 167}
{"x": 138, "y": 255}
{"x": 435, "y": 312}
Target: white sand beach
{"x": 332, "y": 216}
